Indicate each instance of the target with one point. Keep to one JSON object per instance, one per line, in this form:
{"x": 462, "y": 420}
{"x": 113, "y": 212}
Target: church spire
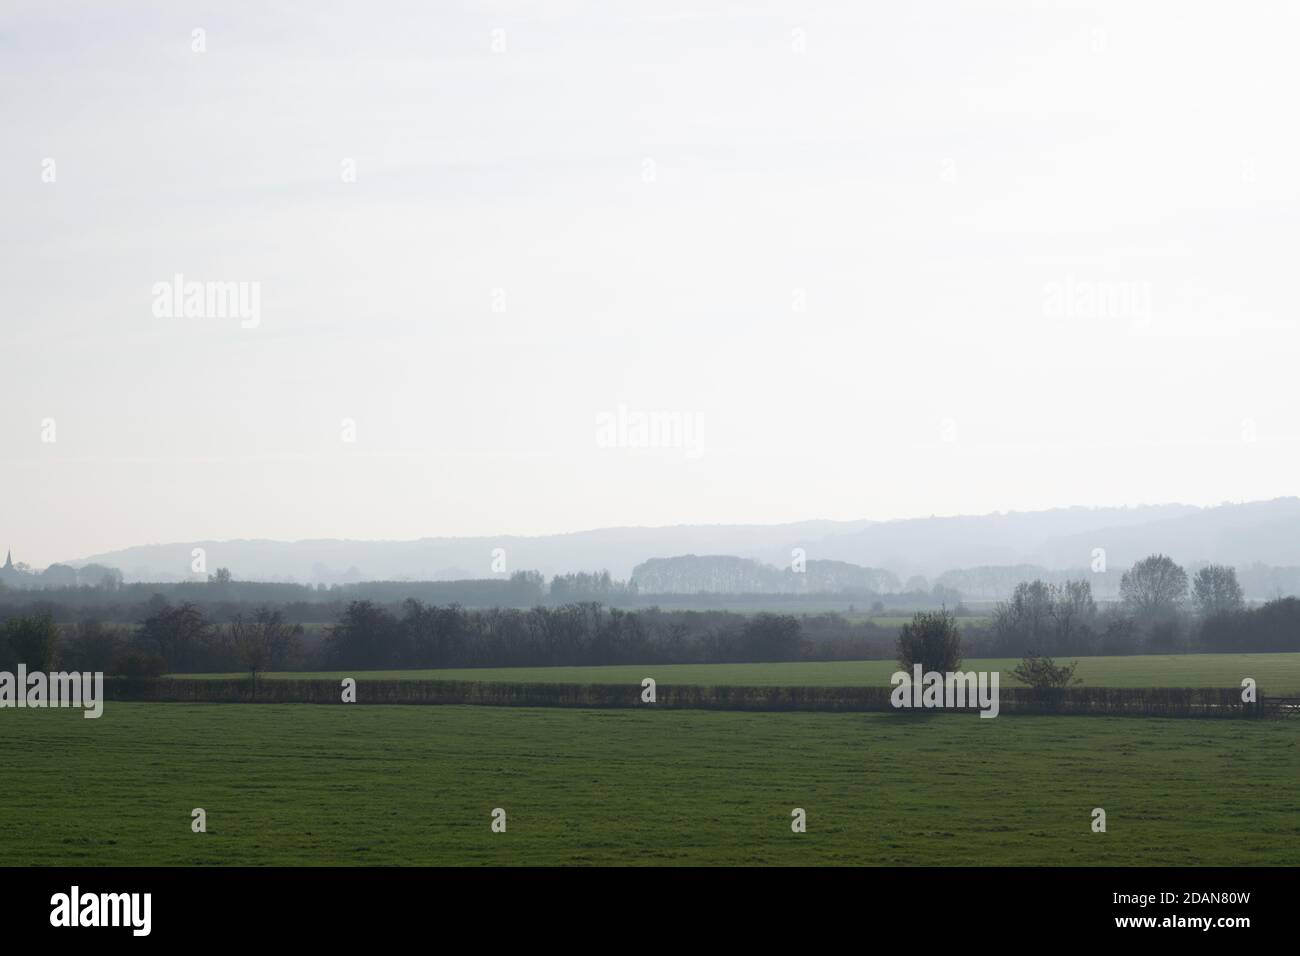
{"x": 9, "y": 560}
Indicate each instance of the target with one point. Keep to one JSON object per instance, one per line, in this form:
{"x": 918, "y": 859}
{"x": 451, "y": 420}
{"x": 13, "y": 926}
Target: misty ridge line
{"x": 960, "y": 552}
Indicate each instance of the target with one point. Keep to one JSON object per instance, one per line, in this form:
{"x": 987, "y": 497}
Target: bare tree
{"x": 176, "y": 633}
{"x": 1025, "y": 621}
{"x": 1154, "y": 589}
{"x": 1216, "y": 591}
{"x": 1073, "y": 612}
{"x": 264, "y": 642}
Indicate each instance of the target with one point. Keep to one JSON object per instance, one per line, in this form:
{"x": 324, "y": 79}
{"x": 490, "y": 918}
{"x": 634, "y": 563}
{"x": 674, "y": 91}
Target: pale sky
{"x": 883, "y": 260}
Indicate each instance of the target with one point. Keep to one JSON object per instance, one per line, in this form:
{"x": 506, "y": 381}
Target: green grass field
{"x": 302, "y": 784}
{"x": 1276, "y": 674}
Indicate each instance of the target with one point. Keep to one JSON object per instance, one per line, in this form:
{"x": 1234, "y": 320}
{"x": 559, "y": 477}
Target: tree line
{"x": 305, "y": 602}
{"x": 367, "y": 635}
{"x": 1161, "y": 610}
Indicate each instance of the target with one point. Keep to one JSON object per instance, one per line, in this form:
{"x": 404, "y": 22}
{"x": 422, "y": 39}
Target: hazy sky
{"x": 880, "y": 260}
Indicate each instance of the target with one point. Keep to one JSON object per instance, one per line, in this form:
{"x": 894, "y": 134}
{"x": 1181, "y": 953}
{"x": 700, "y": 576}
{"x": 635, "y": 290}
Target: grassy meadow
{"x": 302, "y": 784}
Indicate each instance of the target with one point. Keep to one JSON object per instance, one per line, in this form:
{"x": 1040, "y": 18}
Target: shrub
{"x": 92, "y": 647}
{"x": 1043, "y": 673}
{"x": 138, "y": 663}
{"x": 32, "y": 641}
{"x": 771, "y": 637}
{"x": 932, "y": 640}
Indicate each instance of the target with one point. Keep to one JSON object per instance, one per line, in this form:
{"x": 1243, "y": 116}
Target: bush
{"x": 138, "y": 663}
{"x": 1166, "y": 637}
{"x": 92, "y": 647}
{"x": 771, "y": 637}
{"x": 32, "y": 641}
{"x": 1119, "y": 637}
{"x": 1043, "y": 673}
{"x": 932, "y": 640}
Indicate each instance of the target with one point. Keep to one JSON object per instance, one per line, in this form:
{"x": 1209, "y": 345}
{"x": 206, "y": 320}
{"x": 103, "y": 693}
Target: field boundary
{"x": 1215, "y": 702}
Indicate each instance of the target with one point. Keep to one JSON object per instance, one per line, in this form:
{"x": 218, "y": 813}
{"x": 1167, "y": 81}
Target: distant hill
{"x": 1265, "y": 532}
{"x": 331, "y": 561}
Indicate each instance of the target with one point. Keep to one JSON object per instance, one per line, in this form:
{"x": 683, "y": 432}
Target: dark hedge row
{"x": 1128, "y": 701}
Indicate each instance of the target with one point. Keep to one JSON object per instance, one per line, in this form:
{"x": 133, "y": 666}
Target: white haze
{"x": 945, "y": 189}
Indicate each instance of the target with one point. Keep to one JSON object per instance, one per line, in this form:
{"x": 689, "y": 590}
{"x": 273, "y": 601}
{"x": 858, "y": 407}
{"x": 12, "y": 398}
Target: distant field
{"x": 856, "y": 616}
{"x": 328, "y": 785}
{"x": 1275, "y": 673}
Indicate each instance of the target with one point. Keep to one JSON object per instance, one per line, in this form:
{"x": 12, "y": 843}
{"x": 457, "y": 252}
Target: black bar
{"x": 648, "y": 906}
